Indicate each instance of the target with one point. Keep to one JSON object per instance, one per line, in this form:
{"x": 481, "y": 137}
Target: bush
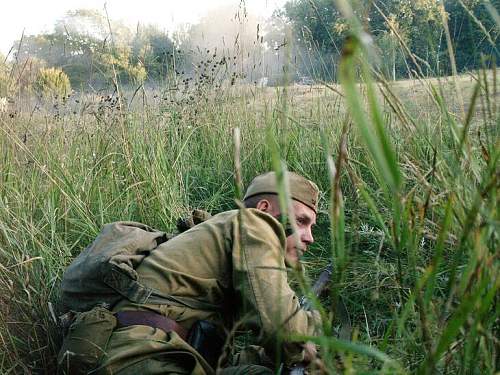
{"x": 52, "y": 82}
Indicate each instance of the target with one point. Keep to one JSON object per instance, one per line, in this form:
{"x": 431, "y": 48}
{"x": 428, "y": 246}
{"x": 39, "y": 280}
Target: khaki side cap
{"x": 301, "y": 189}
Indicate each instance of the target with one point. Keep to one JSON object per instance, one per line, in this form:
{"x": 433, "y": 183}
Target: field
{"x": 409, "y": 176}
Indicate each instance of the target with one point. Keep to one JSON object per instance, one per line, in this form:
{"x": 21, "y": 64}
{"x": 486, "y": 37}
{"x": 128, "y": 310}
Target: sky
{"x": 35, "y": 16}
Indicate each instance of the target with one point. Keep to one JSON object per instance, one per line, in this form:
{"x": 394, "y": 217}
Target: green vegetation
{"x": 52, "y": 82}
{"x": 409, "y": 172}
{"x": 397, "y": 26}
{"x": 411, "y": 38}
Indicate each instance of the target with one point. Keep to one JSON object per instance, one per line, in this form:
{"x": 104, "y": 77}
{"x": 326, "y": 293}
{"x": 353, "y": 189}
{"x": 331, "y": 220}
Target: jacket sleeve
{"x": 268, "y": 305}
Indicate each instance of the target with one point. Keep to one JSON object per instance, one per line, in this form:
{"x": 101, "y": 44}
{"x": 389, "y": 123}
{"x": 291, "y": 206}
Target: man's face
{"x": 305, "y": 217}
{"x": 296, "y": 244}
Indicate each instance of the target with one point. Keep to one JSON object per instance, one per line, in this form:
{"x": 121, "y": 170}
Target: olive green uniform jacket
{"x": 230, "y": 270}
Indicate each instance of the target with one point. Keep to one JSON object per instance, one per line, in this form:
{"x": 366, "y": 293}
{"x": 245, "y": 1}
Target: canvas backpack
{"x": 104, "y": 273}
{"x": 100, "y": 276}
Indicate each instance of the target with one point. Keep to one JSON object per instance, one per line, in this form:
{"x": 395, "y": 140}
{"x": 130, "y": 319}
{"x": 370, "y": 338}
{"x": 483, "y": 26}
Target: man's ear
{"x": 263, "y": 205}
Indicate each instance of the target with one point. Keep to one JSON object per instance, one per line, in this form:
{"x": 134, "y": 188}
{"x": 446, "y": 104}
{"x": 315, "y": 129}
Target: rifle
{"x": 319, "y": 286}
{"x": 318, "y": 289}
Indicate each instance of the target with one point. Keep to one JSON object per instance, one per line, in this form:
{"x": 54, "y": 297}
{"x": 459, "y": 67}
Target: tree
{"x": 418, "y": 25}
{"x": 318, "y": 26}
{"x": 89, "y": 51}
{"x": 154, "y": 50}
{"x": 52, "y": 82}
{"x": 474, "y": 32}
{"x": 319, "y": 30}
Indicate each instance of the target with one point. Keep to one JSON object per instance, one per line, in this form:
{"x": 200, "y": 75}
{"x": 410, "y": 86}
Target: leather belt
{"x": 150, "y": 319}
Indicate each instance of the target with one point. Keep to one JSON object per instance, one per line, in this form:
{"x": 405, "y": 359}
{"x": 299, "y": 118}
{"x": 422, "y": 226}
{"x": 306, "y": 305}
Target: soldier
{"x": 225, "y": 272}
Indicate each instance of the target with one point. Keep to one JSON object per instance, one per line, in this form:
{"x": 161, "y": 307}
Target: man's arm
{"x": 269, "y": 305}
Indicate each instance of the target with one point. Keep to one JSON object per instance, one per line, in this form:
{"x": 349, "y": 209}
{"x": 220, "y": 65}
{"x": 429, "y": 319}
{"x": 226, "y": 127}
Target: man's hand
{"x": 311, "y": 364}
{"x": 310, "y": 352}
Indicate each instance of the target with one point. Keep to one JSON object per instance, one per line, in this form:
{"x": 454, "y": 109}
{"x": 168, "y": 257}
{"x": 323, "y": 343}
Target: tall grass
{"x": 408, "y": 212}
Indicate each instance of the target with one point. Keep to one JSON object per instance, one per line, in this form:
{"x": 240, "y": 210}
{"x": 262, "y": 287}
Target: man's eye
{"x": 301, "y": 221}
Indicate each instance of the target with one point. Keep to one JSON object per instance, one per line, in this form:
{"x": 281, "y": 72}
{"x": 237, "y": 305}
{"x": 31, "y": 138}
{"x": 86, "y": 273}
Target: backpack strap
{"x": 160, "y": 298}
{"x": 126, "y": 286}
{"x": 136, "y": 292}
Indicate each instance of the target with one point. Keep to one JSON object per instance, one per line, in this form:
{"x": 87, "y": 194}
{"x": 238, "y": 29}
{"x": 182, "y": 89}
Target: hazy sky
{"x": 35, "y": 16}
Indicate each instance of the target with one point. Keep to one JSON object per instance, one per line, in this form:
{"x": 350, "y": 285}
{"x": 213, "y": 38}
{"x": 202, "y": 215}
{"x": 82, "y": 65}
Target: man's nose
{"x": 307, "y": 236}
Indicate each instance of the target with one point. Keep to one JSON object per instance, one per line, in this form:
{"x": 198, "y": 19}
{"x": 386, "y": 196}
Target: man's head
{"x": 262, "y": 194}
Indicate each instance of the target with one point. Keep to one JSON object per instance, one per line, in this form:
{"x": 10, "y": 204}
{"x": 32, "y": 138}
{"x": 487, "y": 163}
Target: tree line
{"x": 398, "y": 28}
{"x": 302, "y": 40}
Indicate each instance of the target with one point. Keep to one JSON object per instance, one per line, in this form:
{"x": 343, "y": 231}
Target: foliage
{"x": 153, "y": 50}
{"x": 24, "y": 73}
{"x": 474, "y": 33}
{"x": 318, "y": 31}
{"x": 91, "y": 54}
{"x": 301, "y": 40}
{"x": 319, "y": 23}
{"x": 52, "y": 82}
{"x": 114, "y": 64}
{"x": 399, "y": 26}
